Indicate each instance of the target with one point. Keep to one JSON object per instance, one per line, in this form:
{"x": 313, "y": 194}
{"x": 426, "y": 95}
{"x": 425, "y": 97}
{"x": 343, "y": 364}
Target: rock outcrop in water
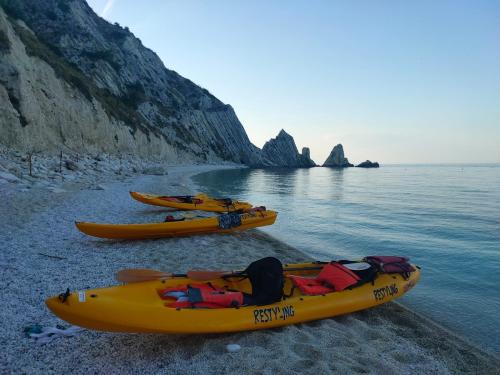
{"x": 282, "y": 151}
{"x": 336, "y": 159}
{"x": 70, "y": 80}
{"x": 368, "y": 164}
{"x": 306, "y": 157}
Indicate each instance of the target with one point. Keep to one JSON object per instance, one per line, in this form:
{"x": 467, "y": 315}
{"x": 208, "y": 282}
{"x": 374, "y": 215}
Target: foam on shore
{"x": 38, "y": 223}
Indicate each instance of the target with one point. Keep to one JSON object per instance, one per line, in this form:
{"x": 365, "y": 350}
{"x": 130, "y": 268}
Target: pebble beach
{"x": 42, "y": 254}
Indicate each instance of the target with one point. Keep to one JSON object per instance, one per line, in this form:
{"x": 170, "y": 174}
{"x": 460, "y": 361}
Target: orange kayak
{"x": 137, "y": 307}
{"x": 247, "y": 220}
{"x": 200, "y": 202}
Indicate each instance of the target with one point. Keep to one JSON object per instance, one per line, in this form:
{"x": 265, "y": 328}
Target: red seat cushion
{"x": 337, "y": 276}
{"x": 309, "y": 286}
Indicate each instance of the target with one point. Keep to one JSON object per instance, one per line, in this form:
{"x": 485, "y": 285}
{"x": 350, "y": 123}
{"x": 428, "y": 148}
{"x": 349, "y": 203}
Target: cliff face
{"x": 336, "y": 159}
{"x": 282, "y": 151}
{"x": 70, "y": 79}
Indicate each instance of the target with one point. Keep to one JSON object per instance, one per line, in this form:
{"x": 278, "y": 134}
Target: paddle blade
{"x": 137, "y": 275}
{"x": 201, "y": 275}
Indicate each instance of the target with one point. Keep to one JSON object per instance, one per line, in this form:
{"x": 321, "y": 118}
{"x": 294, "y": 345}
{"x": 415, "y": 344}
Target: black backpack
{"x": 266, "y": 277}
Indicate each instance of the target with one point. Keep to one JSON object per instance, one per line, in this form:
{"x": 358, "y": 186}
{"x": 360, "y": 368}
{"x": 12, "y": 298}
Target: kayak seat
{"x": 170, "y": 218}
{"x": 170, "y": 199}
{"x": 182, "y": 199}
{"x": 266, "y": 278}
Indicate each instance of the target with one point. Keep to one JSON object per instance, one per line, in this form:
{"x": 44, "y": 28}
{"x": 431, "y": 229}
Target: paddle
{"x": 140, "y": 274}
{"x": 135, "y": 275}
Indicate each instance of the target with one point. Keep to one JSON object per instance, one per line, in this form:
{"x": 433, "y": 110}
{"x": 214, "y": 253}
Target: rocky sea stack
{"x": 282, "y": 152}
{"x": 337, "y": 158}
{"x": 368, "y": 164}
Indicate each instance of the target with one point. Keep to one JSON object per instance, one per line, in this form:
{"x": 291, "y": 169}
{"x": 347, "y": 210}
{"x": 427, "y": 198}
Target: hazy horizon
{"x": 397, "y": 83}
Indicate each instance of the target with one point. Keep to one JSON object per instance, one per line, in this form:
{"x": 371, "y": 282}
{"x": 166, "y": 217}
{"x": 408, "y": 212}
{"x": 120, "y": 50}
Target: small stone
{"x": 57, "y": 190}
{"x": 233, "y": 348}
{"x": 9, "y": 177}
{"x": 97, "y": 187}
{"x": 71, "y": 165}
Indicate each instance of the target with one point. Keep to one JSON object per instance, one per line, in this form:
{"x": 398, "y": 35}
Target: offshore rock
{"x": 368, "y": 164}
{"x": 337, "y": 158}
{"x": 306, "y": 157}
{"x": 282, "y": 152}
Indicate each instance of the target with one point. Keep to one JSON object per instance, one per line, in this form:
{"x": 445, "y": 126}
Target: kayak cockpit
{"x": 266, "y": 282}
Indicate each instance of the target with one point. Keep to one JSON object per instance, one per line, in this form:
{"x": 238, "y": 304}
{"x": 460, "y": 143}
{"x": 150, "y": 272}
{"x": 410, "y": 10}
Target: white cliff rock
{"x": 70, "y": 80}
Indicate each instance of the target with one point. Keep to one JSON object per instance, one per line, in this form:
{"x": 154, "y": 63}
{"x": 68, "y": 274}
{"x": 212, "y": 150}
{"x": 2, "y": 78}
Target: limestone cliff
{"x": 69, "y": 79}
{"x": 282, "y": 151}
{"x": 336, "y": 159}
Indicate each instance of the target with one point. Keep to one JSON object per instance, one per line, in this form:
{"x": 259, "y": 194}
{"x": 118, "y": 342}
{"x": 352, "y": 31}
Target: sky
{"x": 393, "y": 81}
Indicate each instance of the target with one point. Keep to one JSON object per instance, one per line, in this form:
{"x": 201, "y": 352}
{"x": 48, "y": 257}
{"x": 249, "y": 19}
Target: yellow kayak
{"x": 138, "y": 307}
{"x": 247, "y": 220}
{"x": 200, "y": 202}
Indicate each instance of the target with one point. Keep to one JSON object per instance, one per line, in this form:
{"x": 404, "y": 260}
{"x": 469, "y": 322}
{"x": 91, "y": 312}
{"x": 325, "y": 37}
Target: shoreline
{"x": 423, "y": 319}
{"x": 386, "y": 339}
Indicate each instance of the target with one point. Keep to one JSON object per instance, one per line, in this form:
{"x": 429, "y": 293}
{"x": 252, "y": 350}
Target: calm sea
{"x": 446, "y": 218}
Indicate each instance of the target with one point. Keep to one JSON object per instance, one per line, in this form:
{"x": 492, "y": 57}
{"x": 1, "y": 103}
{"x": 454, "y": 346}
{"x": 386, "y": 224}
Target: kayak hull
{"x": 209, "y": 204}
{"x": 138, "y": 308}
{"x": 174, "y": 229}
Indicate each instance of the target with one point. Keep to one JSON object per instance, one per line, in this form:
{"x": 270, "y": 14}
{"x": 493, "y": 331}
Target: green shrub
{"x": 105, "y": 55}
{"x": 135, "y": 95}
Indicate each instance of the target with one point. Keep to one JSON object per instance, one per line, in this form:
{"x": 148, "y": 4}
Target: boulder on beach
{"x": 336, "y": 159}
{"x": 368, "y": 164}
{"x": 71, "y": 165}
